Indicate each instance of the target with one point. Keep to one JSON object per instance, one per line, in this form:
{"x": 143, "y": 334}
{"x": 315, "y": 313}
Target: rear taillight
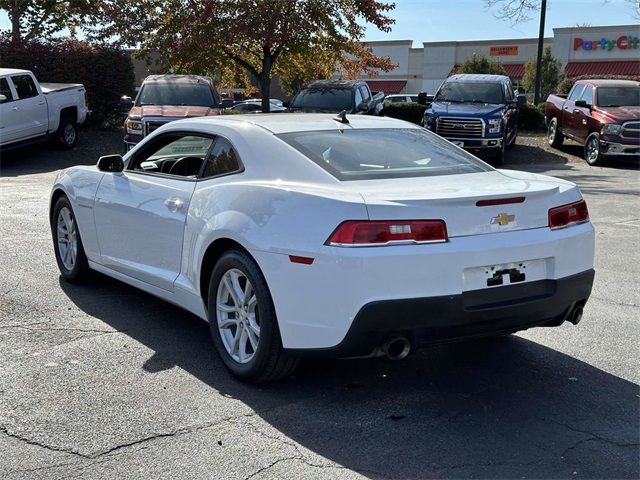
{"x": 566, "y": 215}
{"x": 362, "y": 233}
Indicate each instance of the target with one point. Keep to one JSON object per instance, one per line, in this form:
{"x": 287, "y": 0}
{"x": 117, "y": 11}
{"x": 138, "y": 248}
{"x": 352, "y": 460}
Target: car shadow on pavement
{"x": 504, "y": 407}
{"x": 46, "y": 156}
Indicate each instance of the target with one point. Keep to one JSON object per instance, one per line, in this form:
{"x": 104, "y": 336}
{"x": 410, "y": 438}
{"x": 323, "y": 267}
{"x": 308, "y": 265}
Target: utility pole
{"x": 543, "y": 12}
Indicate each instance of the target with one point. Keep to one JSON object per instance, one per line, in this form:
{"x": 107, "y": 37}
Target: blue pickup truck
{"x": 476, "y": 112}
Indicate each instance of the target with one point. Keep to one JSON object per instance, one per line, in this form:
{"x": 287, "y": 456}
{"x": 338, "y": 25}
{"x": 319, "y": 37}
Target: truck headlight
{"x": 495, "y": 125}
{"x": 611, "y": 129}
{"x": 134, "y": 127}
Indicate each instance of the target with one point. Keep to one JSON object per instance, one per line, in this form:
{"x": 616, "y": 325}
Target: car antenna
{"x": 342, "y": 117}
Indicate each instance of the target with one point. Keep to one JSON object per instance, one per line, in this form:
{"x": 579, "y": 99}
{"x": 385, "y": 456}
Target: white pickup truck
{"x": 31, "y": 111}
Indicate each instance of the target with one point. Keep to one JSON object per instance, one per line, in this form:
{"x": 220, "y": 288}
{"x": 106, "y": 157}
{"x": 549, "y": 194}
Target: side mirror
{"x": 582, "y": 104}
{"x": 363, "y": 107}
{"x": 3, "y": 98}
{"x": 111, "y": 163}
{"x": 126, "y": 100}
{"x": 422, "y": 98}
{"x": 521, "y": 101}
{"x": 286, "y": 104}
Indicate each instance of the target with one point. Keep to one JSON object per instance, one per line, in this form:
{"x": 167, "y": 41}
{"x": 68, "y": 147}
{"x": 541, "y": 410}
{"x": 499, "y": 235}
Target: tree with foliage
{"x": 295, "y": 39}
{"x": 41, "y": 18}
{"x": 551, "y": 74}
{"x": 480, "y": 64}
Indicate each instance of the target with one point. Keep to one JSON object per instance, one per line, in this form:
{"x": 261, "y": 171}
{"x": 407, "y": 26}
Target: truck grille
{"x": 150, "y": 126}
{"x": 630, "y": 130}
{"x": 451, "y": 127}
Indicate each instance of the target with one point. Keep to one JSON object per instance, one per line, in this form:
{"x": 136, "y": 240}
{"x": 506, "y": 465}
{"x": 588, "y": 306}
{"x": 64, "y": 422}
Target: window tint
{"x": 364, "y": 91}
{"x": 324, "y": 98}
{"x": 191, "y": 94}
{"x": 173, "y": 154}
{"x": 576, "y": 92}
{"x": 619, "y": 96}
{"x": 221, "y": 160}
{"x": 364, "y": 154}
{"x": 25, "y": 88}
{"x": 358, "y": 98}
{"x": 587, "y": 96}
{"x": 5, "y": 90}
{"x": 474, "y": 92}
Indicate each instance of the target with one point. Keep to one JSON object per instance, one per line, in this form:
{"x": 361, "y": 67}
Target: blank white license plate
{"x": 458, "y": 143}
{"x": 489, "y": 276}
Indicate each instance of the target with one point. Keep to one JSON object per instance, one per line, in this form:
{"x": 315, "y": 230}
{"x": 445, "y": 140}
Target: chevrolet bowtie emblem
{"x": 503, "y": 219}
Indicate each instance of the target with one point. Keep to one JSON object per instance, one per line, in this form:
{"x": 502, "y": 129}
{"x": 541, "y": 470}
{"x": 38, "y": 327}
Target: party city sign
{"x": 623, "y": 42}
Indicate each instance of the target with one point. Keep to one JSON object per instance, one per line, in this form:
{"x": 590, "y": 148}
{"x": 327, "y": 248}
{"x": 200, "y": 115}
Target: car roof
{"x": 477, "y": 78}
{"x": 11, "y": 71}
{"x": 610, "y": 83}
{"x": 297, "y": 122}
{"x": 191, "y": 79}
{"x": 344, "y": 84}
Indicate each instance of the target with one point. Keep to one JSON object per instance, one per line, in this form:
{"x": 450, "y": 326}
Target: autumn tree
{"x": 551, "y": 74}
{"x": 477, "y": 63}
{"x": 296, "y": 39}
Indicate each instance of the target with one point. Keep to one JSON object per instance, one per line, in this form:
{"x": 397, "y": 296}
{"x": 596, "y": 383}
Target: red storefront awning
{"x": 577, "y": 69}
{"x": 515, "y": 71}
{"x": 389, "y": 87}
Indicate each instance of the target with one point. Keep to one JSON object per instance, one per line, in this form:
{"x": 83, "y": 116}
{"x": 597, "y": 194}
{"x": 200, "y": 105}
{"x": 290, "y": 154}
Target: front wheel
{"x": 243, "y": 321}
{"x": 67, "y": 244}
{"x": 67, "y": 134}
{"x": 592, "y": 151}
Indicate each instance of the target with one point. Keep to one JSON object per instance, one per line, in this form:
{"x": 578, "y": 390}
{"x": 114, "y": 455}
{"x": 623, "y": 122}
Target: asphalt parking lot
{"x": 104, "y": 381}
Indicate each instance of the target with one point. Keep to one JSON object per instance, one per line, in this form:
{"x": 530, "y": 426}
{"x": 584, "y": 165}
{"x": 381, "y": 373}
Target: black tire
{"x": 269, "y": 362}
{"x": 554, "y": 135}
{"x": 592, "y": 151}
{"x": 499, "y": 154}
{"x": 79, "y": 271}
{"x": 67, "y": 134}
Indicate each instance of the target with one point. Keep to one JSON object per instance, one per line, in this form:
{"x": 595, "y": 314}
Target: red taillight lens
{"x": 568, "y": 214}
{"x": 362, "y": 232}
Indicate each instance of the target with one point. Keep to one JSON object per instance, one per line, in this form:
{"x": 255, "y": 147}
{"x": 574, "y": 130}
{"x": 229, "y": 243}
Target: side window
{"x": 587, "y": 96}
{"x": 364, "y": 91}
{"x": 173, "y": 154}
{"x": 222, "y": 160}
{"x": 508, "y": 91}
{"x": 358, "y": 97}
{"x": 25, "y": 88}
{"x": 576, "y": 92}
{"x": 5, "y": 90}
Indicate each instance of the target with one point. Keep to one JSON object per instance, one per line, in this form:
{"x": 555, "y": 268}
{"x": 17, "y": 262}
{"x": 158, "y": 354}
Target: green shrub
{"x": 531, "y": 117}
{"x": 411, "y": 112}
{"x": 106, "y": 72}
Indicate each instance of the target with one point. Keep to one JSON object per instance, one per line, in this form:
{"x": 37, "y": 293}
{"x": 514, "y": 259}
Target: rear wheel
{"x": 243, "y": 321}
{"x": 592, "y": 151}
{"x": 554, "y": 136}
{"x": 67, "y": 243}
{"x": 499, "y": 158}
{"x": 67, "y": 134}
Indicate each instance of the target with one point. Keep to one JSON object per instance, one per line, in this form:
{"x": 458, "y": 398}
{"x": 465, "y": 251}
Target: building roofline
{"x": 596, "y": 27}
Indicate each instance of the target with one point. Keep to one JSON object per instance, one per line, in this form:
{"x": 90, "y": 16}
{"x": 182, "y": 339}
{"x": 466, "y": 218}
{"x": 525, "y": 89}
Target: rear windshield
{"x": 383, "y": 153}
{"x": 619, "y": 96}
{"x": 187, "y": 94}
{"x": 322, "y": 99}
{"x": 473, "y": 92}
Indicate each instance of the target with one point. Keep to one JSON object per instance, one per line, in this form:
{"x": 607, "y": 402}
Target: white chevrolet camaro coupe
{"x": 312, "y": 235}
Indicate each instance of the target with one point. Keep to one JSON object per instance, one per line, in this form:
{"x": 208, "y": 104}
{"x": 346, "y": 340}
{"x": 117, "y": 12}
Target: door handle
{"x": 41, "y": 103}
{"x": 15, "y": 109}
{"x": 174, "y": 204}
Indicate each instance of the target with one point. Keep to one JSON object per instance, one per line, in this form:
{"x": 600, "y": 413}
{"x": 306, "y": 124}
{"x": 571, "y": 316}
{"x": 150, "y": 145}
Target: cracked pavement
{"x": 104, "y": 381}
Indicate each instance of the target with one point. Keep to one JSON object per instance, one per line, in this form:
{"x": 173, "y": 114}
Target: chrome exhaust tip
{"x": 397, "y": 348}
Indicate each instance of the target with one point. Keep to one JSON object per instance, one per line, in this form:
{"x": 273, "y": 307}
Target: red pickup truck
{"x": 163, "y": 98}
{"x": 602, "y": 115}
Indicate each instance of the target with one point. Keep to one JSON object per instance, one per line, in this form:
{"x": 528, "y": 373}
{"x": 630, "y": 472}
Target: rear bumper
{"x": 456, "y": 317}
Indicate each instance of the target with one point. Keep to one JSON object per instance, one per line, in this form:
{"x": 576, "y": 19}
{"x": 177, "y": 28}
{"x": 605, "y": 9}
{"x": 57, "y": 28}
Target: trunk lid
{"x": 453, "y": 199}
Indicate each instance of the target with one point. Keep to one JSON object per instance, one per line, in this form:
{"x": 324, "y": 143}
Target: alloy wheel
{"x": 67, "y": 238}
{"x": 237, "y": 316}
{"x": 593, "y": 150}
{"x": 69, "y": 134}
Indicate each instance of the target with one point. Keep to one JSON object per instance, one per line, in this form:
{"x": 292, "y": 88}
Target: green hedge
{"x": 531, "y": 117}
{"x": 411, "y": 112}
{"x": 106, "y": 72}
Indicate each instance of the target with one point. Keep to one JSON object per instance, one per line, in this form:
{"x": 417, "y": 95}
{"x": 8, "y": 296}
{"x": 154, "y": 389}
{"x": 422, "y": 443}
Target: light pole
{"x": 543, "y": 11}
